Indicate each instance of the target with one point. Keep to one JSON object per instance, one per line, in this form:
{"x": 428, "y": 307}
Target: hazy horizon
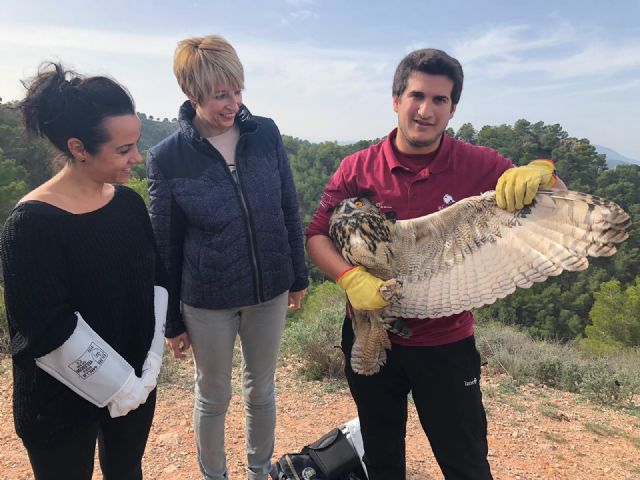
{"x": 323, "y": 69}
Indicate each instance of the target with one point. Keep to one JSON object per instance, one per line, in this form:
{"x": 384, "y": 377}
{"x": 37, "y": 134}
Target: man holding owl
{"x": 419, "y": 169}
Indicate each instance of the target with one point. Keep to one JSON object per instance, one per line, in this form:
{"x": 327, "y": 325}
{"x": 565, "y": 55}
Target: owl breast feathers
{"x": 467, "y": 255}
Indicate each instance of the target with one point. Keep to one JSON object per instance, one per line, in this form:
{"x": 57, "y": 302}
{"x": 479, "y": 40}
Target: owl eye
{"x": 359, "y": 203}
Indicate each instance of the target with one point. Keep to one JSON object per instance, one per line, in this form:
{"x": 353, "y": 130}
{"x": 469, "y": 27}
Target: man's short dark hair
{"x": 433, "y": 62}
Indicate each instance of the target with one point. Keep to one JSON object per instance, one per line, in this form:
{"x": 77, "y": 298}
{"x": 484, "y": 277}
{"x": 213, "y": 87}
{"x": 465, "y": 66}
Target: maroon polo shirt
{"x": 458, "y": 170}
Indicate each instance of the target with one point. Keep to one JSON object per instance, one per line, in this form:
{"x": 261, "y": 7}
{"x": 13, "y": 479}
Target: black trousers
{"x": 121, "y": 444}
{"x": 445, "y": 384}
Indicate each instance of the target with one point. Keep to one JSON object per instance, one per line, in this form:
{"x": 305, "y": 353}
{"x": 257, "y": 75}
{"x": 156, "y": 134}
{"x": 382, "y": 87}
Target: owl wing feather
{"x": 473, "y": 252}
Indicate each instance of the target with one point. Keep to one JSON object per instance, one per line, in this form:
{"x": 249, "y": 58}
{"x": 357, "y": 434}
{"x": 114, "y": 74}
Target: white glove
{"x": 150, "y": 371}
{"x": 153, "y": 362}
{"x": 131, "y": 396}
{"x": 160, "y": 305}
{"x": 89, "y": 366}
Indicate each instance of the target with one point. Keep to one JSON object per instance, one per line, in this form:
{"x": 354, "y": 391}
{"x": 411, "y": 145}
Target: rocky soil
{"x": 534, "y": 432}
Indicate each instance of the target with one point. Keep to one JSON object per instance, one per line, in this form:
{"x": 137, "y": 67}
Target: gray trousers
{"x": 212, "y": 334}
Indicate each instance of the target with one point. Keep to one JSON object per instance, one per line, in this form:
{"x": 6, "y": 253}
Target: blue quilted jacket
{"x": 225, "y": 243}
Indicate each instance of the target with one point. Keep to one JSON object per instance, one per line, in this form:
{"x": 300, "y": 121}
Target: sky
{"x": 323, "y": 69}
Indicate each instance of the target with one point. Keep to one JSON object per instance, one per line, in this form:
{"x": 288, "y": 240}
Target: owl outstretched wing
{"x": 473, "y": 252}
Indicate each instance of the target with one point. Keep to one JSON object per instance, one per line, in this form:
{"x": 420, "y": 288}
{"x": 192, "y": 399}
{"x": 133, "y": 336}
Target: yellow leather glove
{"x": 517, "y": 187}
{"x": 363, "y": 289}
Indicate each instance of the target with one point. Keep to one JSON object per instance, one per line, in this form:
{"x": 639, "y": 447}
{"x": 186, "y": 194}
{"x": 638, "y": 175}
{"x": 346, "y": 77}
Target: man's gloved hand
{"x": 518, "y": 186}
{"x": 363, "y": 289}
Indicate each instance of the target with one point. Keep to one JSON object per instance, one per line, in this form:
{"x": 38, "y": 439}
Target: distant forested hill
{"x": 558, "y": 308}
{"x": 614, "y": 158}
{"x": 154, "y": 130}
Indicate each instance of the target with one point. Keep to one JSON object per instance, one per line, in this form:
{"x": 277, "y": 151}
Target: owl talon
{"x": 397, "y": 326}
{"x": 391, "y": 290}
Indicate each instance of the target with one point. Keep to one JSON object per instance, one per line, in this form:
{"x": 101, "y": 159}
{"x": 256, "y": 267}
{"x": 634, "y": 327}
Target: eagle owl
{"x": 465, "y": 256}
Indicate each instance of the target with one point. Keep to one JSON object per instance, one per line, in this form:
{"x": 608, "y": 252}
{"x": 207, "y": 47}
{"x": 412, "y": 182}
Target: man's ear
{"x": 453, "y": 111}
{"x": 76, "y": 147}
{"x": 396, "y": 102}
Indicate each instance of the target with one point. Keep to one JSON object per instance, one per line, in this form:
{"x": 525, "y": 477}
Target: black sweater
{"x": 102, "y": 264}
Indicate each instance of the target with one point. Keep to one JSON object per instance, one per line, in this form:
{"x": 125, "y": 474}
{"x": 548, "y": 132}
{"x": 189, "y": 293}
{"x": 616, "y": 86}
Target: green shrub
{"x": 316, "y": 342}
{"x": 320, "y": 297}
{"x": 176, "y": 371}
{"x": 140, "y": 186}
{"x": 550, "y": 371}
{"x": 494, "y": 337}
{"x": 613, "y": 379}
{"x": 573, "y": 377}
{"x": 608, "y": 379}
{"x": 615, "y": 318}
{"x": 169, "y": 370}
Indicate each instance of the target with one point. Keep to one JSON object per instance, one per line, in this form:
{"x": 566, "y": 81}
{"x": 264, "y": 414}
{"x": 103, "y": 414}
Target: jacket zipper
{"x": 252, "y": 241}
{"x": 245, "y": 210}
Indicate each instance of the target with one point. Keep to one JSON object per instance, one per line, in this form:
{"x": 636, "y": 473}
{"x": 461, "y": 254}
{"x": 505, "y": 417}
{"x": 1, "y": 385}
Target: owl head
{"x": 355, "y": 222}
{"x": 354, "y": 206}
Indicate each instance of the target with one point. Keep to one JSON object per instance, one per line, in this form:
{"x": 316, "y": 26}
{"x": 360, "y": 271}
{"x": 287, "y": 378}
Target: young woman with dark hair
{"x": 84, "y": 289}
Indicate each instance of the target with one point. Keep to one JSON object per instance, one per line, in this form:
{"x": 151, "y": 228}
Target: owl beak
{"x": 348, "y": 209}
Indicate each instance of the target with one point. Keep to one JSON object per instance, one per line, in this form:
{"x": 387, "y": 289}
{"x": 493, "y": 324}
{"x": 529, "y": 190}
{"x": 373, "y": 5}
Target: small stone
{"x": 169, "y": 438}
{"x": 170, "y": 469}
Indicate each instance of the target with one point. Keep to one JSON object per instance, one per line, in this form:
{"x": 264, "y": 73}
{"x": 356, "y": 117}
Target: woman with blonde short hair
{"x": 225, "y": 214}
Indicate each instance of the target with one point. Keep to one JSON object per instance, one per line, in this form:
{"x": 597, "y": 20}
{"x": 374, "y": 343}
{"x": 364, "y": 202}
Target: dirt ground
{"x": 534, "y": 432}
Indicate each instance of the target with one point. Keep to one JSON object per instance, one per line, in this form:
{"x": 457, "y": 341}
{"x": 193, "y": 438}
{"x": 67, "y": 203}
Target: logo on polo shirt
{"x": 447, "y": 200}
{"x": 382, "y": 207}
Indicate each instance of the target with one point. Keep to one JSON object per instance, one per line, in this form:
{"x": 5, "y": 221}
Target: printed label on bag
{"x": 89, "y": 362}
